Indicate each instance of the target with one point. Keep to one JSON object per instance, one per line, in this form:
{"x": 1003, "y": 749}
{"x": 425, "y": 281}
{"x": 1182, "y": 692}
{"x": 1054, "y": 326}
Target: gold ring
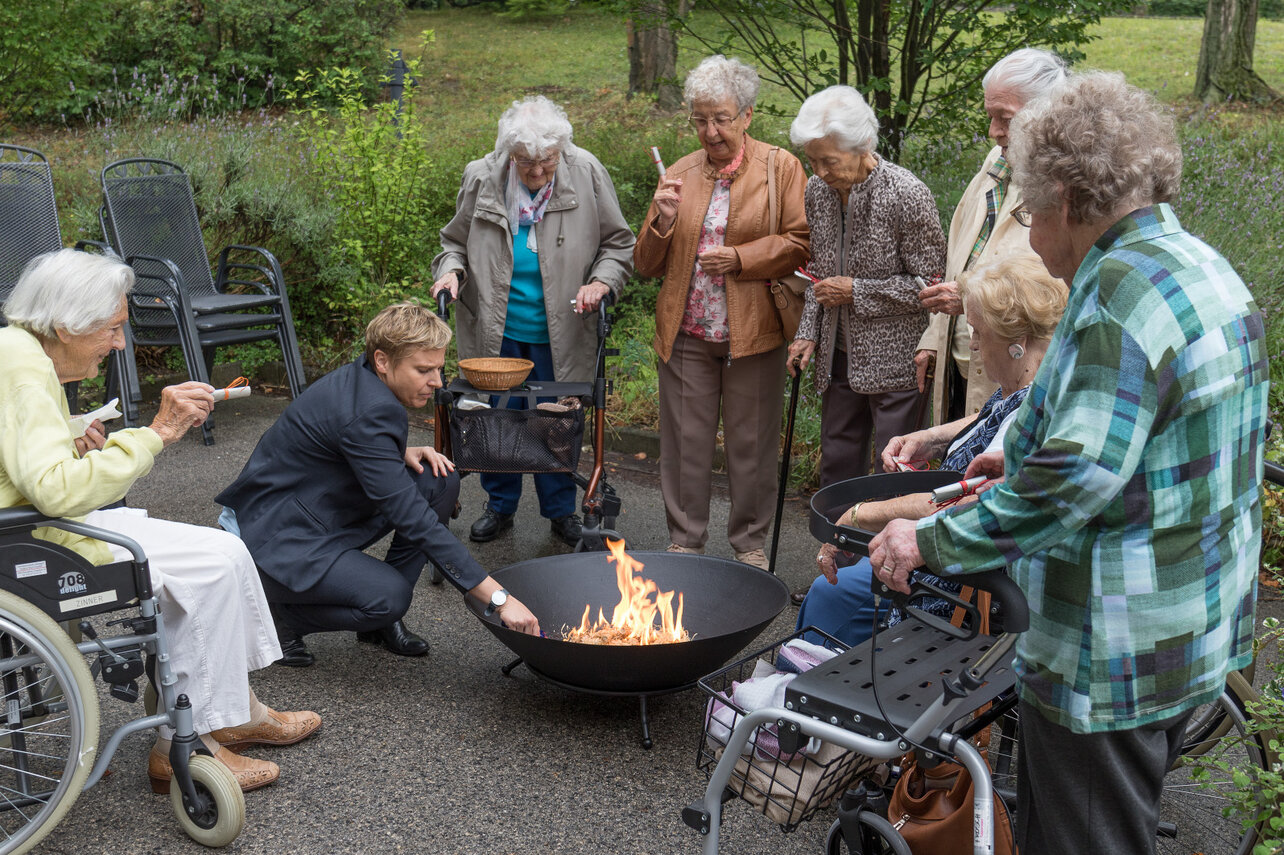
{"x": 887, "y": 570}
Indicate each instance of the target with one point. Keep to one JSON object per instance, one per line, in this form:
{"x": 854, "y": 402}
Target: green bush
{"x": 174, "y": 58}
{"x": 371, "y": 168}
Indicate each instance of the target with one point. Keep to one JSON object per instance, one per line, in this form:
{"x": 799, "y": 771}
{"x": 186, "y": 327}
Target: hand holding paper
{"x": 105, "y": 413}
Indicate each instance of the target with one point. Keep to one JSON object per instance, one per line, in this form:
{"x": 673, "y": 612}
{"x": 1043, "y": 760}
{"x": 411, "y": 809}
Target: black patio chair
{"x": 29, "y": 227}
{"x": 149, "y": 216}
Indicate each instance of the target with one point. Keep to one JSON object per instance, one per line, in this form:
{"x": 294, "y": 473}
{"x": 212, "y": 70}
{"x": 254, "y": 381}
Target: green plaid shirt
{"x": 1131, "y": 515}
{"x": 1000, "y": 171}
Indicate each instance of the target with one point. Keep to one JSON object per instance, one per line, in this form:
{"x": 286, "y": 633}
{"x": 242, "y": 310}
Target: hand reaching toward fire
{"x": 516, "y": 616}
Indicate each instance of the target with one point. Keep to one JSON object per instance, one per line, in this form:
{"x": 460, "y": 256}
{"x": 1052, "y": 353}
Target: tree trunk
{"x": 1225, "y": 70}
{"x": 653, "y": 52}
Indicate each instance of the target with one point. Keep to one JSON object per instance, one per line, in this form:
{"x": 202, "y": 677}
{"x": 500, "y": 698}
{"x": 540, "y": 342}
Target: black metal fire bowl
{"x": 726, "y": 605}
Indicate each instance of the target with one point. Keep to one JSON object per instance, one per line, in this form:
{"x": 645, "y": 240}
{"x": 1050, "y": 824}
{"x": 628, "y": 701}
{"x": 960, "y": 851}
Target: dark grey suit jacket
{"x": 330, "y": 476}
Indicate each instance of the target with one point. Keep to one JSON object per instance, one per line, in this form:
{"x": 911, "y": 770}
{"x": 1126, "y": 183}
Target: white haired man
{"x": 982, "y": 230}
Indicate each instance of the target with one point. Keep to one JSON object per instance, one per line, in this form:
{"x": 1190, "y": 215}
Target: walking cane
{"x": 784, "y": 465}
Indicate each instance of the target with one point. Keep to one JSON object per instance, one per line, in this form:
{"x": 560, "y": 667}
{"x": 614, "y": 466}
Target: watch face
{"x": 498, "y": 598}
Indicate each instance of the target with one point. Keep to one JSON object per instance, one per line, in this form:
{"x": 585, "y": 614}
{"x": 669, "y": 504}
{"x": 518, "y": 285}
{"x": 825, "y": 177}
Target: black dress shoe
{"x": 489, "y": 525}
{"x": 567, "y": 529}
{"x": 798, "y": 596}
{"x": 397, "y": 639}
{"x": 294, "y": 652}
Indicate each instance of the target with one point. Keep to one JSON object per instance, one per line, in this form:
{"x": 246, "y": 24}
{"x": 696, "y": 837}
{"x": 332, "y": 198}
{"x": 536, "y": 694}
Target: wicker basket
{"x": 494, "y": 373}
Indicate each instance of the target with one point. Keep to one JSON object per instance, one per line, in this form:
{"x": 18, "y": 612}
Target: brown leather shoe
{"x": 280, "y": 728}
{"x": 250, "y": 773}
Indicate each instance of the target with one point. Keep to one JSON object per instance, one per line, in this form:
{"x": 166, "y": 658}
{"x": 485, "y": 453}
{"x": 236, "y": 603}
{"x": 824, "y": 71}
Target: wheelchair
{"x": 49, "y": 748}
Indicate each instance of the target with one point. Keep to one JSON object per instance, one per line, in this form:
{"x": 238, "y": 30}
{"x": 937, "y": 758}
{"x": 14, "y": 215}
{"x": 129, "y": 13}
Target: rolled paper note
{"x": 804, "y": 274}
{"x": 655, "y": 157}
{"x": 231, "y": 392}
{"x": 105, "y": 413}
{"x": 957, "y": 489}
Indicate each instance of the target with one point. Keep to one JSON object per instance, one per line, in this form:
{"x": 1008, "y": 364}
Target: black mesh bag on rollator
{"x": 546, "y": 436}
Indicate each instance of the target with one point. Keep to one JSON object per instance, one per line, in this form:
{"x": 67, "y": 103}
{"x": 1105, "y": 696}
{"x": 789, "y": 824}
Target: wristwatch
{"x": 497, "y": 600}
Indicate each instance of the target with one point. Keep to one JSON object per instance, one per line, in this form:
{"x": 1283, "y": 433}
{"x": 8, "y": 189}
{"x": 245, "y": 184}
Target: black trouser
{"x": 1086, "y": 793}
{"x": 359, "y": 592}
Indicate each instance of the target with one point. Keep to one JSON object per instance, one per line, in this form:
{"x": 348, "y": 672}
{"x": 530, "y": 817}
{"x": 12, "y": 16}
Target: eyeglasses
{"x": 545, "y": 164}
{"x": 1023, "y": 216}
{"x": 701, "y": 123}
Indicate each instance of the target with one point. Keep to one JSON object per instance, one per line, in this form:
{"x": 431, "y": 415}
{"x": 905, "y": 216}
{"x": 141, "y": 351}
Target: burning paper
{"x": 644, "y": 614}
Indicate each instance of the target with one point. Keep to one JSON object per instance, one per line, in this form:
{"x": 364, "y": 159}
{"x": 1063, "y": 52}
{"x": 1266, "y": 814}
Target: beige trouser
{"x": 697, "y": 383}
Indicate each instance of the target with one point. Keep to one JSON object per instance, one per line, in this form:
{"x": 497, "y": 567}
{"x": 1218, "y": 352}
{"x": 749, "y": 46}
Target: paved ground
{"x": 443, "y": 754}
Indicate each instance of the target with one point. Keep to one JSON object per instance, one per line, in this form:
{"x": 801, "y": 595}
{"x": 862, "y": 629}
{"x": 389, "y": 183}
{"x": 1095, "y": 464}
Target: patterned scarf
{"x": 729, "y": 170}
{"x": 523, "y": 209}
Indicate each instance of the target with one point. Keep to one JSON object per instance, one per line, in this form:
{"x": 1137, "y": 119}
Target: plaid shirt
{"x": 1000, "y": 171}
{"x": 1131, "y": 515}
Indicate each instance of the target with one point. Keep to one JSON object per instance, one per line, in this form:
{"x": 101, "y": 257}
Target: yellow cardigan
{"x": 38, "y": 461}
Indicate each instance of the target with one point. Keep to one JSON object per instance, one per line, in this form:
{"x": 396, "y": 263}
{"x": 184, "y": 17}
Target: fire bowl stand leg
{"x": 646, "y": 726}
{"x": 646, "y": 741}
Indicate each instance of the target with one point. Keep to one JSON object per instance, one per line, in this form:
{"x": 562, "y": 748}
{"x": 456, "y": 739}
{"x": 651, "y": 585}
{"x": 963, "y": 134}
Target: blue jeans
{"x": 555, "y": 490}
{"x": 845, "y": 610}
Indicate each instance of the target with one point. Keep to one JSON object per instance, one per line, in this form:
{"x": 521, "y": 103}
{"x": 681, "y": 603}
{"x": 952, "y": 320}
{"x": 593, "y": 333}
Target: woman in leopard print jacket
{"x": 876, "y": 239}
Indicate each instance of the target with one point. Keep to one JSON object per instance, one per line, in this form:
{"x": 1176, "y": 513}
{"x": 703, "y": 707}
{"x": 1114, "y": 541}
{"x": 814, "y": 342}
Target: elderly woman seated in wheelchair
{"x": 66, "y": 313}
{"x": 1013, "y": 306}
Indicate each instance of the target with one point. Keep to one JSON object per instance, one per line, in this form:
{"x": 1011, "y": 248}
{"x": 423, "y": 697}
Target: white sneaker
{"x": 687, "y": 550}
{"x": 754, "y": 557}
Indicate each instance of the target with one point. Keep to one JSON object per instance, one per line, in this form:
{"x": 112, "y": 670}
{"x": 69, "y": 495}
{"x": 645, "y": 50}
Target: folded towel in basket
{"x": 798, "y": 656}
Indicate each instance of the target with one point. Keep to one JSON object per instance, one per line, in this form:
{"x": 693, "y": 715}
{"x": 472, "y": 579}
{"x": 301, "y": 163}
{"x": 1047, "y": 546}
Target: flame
{"x": 635, "y": 616}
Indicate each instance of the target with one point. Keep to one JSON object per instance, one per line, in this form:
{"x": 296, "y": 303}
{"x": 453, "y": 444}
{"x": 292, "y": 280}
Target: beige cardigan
{"x": 949, "y": 335}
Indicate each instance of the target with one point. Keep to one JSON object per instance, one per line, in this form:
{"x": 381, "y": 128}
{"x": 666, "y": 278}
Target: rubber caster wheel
{"x": 220, "y": 814}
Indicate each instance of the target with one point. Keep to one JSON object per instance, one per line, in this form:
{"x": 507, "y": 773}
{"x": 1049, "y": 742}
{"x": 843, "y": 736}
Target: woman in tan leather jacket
{"x": 718, "y": 335}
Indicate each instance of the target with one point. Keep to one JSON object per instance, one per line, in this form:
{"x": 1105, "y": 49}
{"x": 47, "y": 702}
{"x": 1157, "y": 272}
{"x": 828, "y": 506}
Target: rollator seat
{"x": 912, "y": 659}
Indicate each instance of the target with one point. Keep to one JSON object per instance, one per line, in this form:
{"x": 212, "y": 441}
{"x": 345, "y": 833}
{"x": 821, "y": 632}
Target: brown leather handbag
{"x": 932, "y": 808}
{"x": 788, "y": 292}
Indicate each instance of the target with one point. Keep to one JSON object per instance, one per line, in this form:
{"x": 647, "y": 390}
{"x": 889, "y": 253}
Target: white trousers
{"x": 217, "y": 621}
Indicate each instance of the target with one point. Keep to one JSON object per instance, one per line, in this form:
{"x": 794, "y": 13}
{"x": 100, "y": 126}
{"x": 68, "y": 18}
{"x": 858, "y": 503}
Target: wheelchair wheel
{"x": 48, "y": 724}
{"x": 878, "y": 837}
{"x": 1191, "y": 813}
{"x": 220, "y": 816}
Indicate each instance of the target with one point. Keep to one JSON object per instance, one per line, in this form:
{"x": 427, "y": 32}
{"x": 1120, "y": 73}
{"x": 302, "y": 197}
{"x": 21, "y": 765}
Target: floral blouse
{"x": 706, "y": 313}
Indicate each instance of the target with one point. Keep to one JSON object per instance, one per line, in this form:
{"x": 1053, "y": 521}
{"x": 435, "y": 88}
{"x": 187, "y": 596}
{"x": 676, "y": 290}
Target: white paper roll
{"x": 231, "y": 392}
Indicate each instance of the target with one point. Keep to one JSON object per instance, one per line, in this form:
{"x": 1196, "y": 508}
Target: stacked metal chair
{"x": 149, "y": 216}
{"x": 29, "y": 227}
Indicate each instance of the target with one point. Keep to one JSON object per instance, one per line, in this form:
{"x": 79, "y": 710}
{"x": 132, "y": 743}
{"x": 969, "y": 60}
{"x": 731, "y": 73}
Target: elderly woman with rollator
{"x": 536, "y": 242}
{"x": 1013, "y": 306}
{"x": 984, "y": 229}
{"x": 66, "y": 313}
{"x": 1131, "y": 513}
{"x": 718, "y": 334}
{"x": 876, "y": 241}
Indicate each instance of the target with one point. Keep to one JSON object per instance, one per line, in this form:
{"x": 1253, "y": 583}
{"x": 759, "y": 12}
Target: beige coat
{"x": 583, "y": 237}
{"x": 751, "y": 311}
{"x": 949, "y": 335}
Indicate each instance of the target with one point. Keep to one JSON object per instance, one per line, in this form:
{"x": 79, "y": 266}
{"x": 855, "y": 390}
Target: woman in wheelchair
{"x": 66, "y": 313}
{"x": 1013, "y": 306}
